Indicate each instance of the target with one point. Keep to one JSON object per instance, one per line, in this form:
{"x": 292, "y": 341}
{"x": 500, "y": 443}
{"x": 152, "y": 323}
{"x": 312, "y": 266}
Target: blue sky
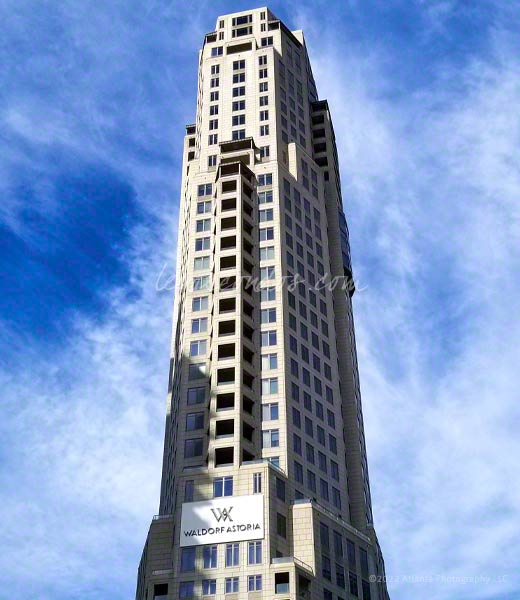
{"x": 93, "y": 102}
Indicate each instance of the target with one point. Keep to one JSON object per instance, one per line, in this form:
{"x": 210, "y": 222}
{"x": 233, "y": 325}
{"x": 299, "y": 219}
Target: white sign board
{"x": 229, "y": 519}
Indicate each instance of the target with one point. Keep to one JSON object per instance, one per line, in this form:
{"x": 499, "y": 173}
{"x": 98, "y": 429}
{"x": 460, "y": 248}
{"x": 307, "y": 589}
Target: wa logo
{"x": 222, "y": 514}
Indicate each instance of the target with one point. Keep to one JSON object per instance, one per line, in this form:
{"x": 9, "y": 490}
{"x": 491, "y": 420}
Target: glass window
{"x": 267, "y": 233}
{"x": 268, "y": 315}
{"x": 193, "y": 448}
{"x": 324, "y": 489}
{"x": 280, "y": 489}
{"x": 198, "y": 348}
{"x": 186, "y": 589}
{"x": 222, "y": 486}
{"x": 189, "y": 488}
{"x": 265, "y": 215}
{"x": 254, "y": 583}
{"x": 257, "y": 483}
{"x": 231, "y": 585}
{"x": 269, "y": 386}
{"x": 199, "y": 303}
{"x": 281, "y": 525}
{"x": 196, "y": 395}
{"x": 269, "y": 361}
{"x": 265, "y": 197}
{"x": 270, "y": 412}
{"x": 267, "y": 294}
{"x": 270, "y": 438}
{"x": 232, "y": 555}
{"x": 268, "y": 338}
{"x": 209, "y": 555}
{"x": 298, "y": 472}
{"x": 254, "y": 553}
{"x": 188, "y": 559}
{"x": 200, "y": 245}
{"x": 194, "y": 421}
{"x": 209, "y": 587}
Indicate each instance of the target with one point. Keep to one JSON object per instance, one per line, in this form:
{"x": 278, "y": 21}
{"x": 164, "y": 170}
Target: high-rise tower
{"x": 265, "y": 490}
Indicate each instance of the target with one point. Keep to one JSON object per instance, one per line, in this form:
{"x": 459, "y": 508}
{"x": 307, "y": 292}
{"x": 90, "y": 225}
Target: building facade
{"x": 265, "y": 490}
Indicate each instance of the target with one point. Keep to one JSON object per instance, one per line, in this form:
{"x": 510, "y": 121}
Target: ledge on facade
{"x": 162, "y": 517}
{"x": 234, "y": 168}
{"x": 235, "y": 145}
{"x": 319, "y": 105}
{"x": 265, "y": 461}
{"x": 292, "y": 559}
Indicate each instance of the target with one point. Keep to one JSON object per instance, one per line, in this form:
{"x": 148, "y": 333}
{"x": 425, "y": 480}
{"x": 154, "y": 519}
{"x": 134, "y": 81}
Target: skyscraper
{"x": 265, "y": 490}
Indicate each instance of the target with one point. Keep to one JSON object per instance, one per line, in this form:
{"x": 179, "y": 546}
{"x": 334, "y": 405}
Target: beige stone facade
{"x": 263, "y": 390}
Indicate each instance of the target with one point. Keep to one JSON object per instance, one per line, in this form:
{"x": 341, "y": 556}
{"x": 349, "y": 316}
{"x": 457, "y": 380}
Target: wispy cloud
{"x": 432, "y": 187}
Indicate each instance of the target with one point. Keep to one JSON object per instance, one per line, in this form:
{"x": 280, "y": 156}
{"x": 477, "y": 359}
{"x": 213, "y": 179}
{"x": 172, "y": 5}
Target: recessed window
{"x": 188, "y": 559}
{"x": 224, "y": 457}
{"x": 268, "y": 315}
{"x": 265, "y": 197}
{"x": 267, "y": 273}
{"x": 202, "y": 244}
{"x": 222, "y": 486}
{"x": 196, "y": 396}
{"x": 269, "y": 361}
{"x": 281, "y": 581}
{"x": 232, "y": 555}
{"x": 201, "y": 263}
{"x": 238, "y": 134}
{"x": 267, "y": 294}
{"x": 209, "y": 555}
{"x": 196, "y": 371}
{"x": 269, "y": 386}
{"x": 266, "y": 234}
{"x": 198, "y": 348}
{"x": 254, "y": 583}
{"x": 209, "y": 587}
{"x": 265, "y": 179}
{"x": 268, "y": 338}
{"x": 281, "y": 530}
{"x": 270, "y": 412}
{"x": 193, "y": 448}
{"x": 194, "y": 421}
{"x": 231, "y": 585}
{"x": 264, "y": 152}
{"x": 186, "y": 589}
{"x": 239, "y": 120}
{"x": 254, "y": 553}
{"x": 189, "y": 489}
{"x": 203, "y": 225}
{"x": 270, "y": 438}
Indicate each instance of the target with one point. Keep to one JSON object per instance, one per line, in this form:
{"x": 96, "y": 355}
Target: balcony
{"x": 293, "y": 560}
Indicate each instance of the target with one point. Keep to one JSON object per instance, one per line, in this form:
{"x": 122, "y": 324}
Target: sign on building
{"x": 229, "y": 519}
